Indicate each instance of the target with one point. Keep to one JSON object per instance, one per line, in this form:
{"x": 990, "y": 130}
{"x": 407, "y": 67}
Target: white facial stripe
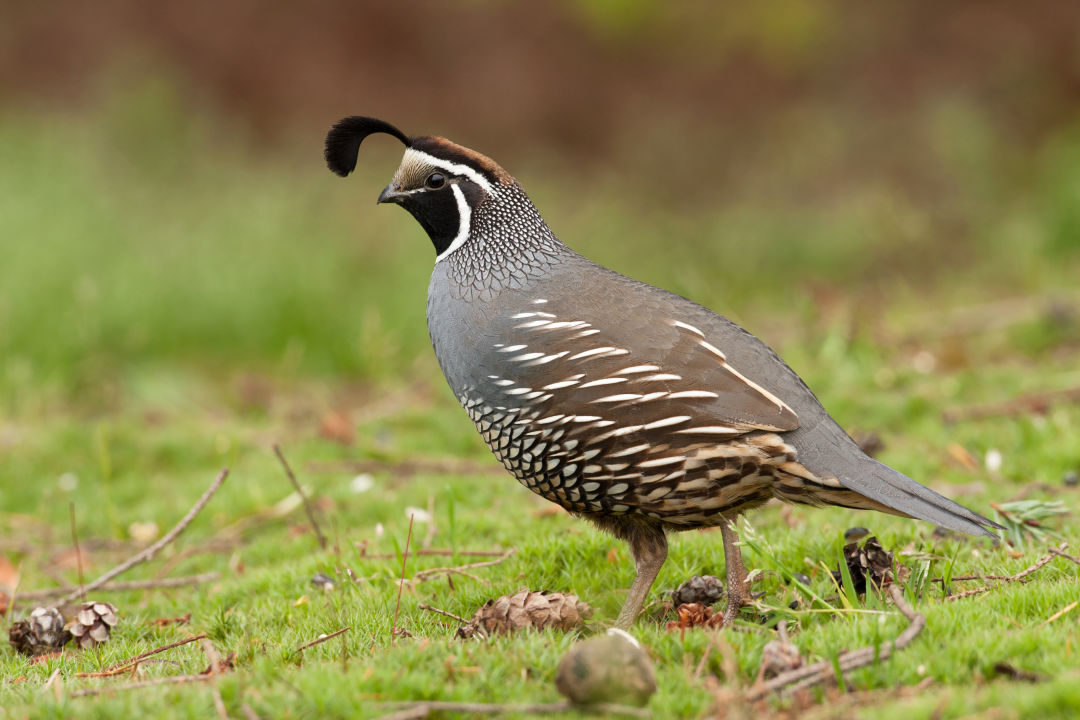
{"x": 465, "y": 218}
{"x": 453, "y": 168}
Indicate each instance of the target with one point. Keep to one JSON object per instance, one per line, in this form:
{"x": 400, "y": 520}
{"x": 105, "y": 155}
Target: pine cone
{"x": 701, "y": 589}
{"x": 41, "y": 633}
{"x": 692, "y": 615}
{"x": 527, "y": 609}
{"x": 870, "y": 562}
{"x": 93, "y": 623}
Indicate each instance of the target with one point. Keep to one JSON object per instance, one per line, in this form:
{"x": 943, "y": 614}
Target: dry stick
{"x": 1060, "y": 553}
{"x": 75, "y": 542}
{"x": 425, "y": 606}
{"x": 300, "y": 492}
{"x": 215, "y": 669}
{"x": 153, "y": 550}
{"x": 144, "y": 683}
{"x": 121, "y": 667}
{"x": 401, "y": 584}
{"x": 819, "y": 672}
{"x": 427, "y": 574}
{"x": 322, "y": 638}
{"x": 124, "y": 586}
{"x": 1013, "y": 578}
{"x": 414, "y": 711}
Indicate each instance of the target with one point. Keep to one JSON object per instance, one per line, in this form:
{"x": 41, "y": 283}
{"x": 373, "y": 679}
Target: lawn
{"x": 175, "y": 303}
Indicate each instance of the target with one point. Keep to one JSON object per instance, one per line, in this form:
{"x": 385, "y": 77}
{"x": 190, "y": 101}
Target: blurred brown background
{"x": 697, "y": 93}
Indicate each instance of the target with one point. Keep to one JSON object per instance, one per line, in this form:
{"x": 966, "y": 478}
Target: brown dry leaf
{"x": 165, "y": 622}
{"x": 692, "y": 615}
{"x": 962, "y": 455}
{"x": 337, "y": 426}
{"x": 527, "y": 609}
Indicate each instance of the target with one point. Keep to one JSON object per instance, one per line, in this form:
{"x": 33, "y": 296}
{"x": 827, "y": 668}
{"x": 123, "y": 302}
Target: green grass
{"x": 172, "y": 305}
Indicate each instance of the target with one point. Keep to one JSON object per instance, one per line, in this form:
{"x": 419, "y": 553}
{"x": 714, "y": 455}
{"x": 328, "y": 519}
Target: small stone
{"x": 611, "y": 668}
{"x": 855, "y": 534}
{"x": 1071, "y": 479}
{"x": 324, "y": 582}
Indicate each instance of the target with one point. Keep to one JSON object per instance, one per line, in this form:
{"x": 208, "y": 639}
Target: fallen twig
{"x": 1032, "y": 403}
{"x": 154, "y": 549}
{"x": 401, "y": 583}
{"x": 1062, "y": 553}
{"x": 215, "y": 669}
{"x": 300, "y": 492}
{"x": 425, "y": 606}
{"x": 124, "y": 666}
{"x": 1011, "y": 578}
{"x": 425, "y": 575}
{"x": 826, "y": 669}
{"x": 46, "y": 593}
{"x": 322, "y": 638}
{"x": 417, "y": 710}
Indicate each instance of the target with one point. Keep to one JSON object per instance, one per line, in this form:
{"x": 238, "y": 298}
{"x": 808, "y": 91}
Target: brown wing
{"x": 670, "y": 377}
{"x": 651, "y": 423}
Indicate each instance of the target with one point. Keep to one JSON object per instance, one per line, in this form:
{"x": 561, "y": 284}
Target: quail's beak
{"x": 389, "y": 195}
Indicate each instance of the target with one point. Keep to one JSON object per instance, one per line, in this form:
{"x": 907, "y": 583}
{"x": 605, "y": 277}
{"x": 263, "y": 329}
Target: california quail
{"x": 623, "y": 403}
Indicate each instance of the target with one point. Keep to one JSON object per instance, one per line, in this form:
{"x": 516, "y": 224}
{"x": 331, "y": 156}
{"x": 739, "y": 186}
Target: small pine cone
{"x": 869, "y": 562}
{"x": 701, "y": 589}
{"x": 692, "y": 615}
{"x": 43, "y": 632}
{"x": 93, "y": 623}
{"x": 527, "y": 609}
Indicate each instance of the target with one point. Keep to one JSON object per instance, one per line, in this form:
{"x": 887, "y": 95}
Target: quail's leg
{"x": 648, "y": 547}
{"x": 738, "y": 593}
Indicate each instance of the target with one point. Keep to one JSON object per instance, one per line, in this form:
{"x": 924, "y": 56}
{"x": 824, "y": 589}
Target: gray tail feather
{"x": 881, "y": 483}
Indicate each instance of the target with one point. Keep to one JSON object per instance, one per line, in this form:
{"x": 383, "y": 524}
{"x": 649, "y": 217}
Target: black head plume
{"x": 343, "y": 140}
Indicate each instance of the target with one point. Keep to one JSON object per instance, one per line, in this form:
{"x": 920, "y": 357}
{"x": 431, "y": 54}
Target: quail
{"x": 628, "y": 405}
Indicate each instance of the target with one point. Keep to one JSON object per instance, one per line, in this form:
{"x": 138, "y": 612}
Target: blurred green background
{"x": 886, "y": 192}
{"x": 170, "y": 238}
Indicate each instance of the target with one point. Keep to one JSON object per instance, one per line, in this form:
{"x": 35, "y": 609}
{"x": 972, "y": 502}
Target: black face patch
{"x": 437, "y": 213}
{"x": 437, "y": 210}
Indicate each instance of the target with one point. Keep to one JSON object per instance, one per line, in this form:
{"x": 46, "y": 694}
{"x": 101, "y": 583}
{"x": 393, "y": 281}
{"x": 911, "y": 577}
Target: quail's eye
{"x": 435, "y": 181}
